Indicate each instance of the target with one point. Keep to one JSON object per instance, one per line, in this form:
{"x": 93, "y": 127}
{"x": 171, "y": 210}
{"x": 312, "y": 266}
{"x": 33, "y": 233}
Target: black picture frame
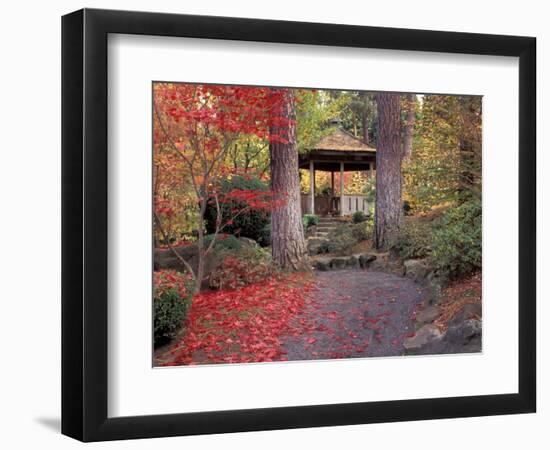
{"x": 84, "y": 224}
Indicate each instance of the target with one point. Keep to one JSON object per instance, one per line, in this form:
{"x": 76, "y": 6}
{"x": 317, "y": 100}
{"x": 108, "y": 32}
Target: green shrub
{"x": 414, "y": 240}
{"x": 223, "y": 242}
{"x": 172, "y": 293}
{"x": 247, "y": 266}
{"x": 249, "y": 223}
{"x": 456, "y": 248}
{"x": 359, "y": 216}
{"x": 310, "y": 220}
{"x": 362, "y": 231}
{"x": 340, "y": 240}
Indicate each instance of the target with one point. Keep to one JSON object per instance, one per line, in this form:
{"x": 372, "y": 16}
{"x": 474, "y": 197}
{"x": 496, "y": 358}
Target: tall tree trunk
{"x": 287, "y": 233}
{"x": 389, "y": 211}
{"x": 409, "y": 127}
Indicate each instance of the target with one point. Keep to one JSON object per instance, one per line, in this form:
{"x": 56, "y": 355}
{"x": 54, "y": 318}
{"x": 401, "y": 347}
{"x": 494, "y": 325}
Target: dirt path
{"x": 355, "y": 313}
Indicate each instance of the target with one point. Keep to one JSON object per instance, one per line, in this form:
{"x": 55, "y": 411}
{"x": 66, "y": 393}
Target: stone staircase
{"x": 322, "y": 230}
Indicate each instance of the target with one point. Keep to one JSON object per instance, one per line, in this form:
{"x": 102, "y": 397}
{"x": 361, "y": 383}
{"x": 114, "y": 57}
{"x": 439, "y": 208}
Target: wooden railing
{"x": 331, "y": 205}
{"x": 353, "y": 203}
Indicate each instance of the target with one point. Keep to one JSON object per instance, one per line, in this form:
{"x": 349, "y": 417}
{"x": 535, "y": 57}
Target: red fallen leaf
{"x": 352, "y": 334}
{"x": 410, "y": 335}
{"x": 311, "y": 340}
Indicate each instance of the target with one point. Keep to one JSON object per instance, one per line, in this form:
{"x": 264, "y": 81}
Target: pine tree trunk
{"x": 389, "y": 211}
{"x": 287, "y": 233}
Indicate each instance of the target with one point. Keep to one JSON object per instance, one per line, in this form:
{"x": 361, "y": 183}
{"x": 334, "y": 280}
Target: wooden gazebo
{"x": 338, "y": 151}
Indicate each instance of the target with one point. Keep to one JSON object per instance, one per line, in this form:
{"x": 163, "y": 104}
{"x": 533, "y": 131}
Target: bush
{"x": 247, "y": 266}
{"x": 362, "y": 231}
{"x": 359, "y": 216}
{"x": 223, "y": 242}
{"x": 414, "y": 240}
{"x": 248, "y": 224}
{"x": 310, "y": 220}
{"x": 456, "y": 249}
{"x": 340, "y": 240}
{"x": 172, "y": 293}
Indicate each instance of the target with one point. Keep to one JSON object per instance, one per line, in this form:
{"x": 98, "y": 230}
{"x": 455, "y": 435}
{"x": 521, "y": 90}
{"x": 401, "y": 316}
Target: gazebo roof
{"x": 337, "y": 147}
{"x": 340, "y": 140}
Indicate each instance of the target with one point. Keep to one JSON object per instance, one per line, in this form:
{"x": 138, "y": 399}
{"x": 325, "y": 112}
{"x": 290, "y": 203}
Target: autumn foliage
{"x": 242, "y": 325}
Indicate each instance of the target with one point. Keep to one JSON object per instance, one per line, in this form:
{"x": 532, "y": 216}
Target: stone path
{"x": 355, "y": 313}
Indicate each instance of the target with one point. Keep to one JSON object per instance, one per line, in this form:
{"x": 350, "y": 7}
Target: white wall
{"x": 30, "y": 187}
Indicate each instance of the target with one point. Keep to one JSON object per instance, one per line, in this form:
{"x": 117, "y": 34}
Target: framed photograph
{"x": 273, "y": 224}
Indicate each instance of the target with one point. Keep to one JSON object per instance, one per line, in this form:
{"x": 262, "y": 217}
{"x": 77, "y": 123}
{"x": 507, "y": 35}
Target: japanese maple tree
{"x": 194, "y": 128}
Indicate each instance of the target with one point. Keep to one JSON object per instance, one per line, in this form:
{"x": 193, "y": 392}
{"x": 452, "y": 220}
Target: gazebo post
{"x": 311, "y": 187}
{"x": 341, "y": 188}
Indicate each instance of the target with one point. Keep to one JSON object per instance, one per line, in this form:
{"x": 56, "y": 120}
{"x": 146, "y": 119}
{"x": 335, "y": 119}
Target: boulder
{"x": 338, "y": 263}
{"x": 469, "y": 311}
{"x": 322, "y": 264}
{"x": 428, "y": 315}
{"x": 353, "y": 262}
{"x": 381, "y": 262}
{"x": 434, "y": 285}
{"x": 427, "y": 340}
{"x": 365, "y": 259}
{"x": 416, "y": 269}
{"x": 247, "y": 242}
{"x": 314, "y": 245}
{"x": 165, "y": 259}
{"x": 465, "y": 333}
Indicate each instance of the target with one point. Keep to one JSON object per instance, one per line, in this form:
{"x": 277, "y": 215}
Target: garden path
{"x": 355, "y": 313}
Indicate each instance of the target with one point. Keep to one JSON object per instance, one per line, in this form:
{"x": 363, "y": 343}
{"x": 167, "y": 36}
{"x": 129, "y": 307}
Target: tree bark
{"x": 287, "y": 233}
{"x": 389, "y": 211}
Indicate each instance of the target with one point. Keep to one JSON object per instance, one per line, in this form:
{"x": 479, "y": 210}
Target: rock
{"x": 428, "y": 315}
{"x": 381, "y": 262}
{"x": 322, "y": 264}
{"x": 469, "y": 311}
{"x": 338, "y": 263}
{"x": 314, "y": 245}
{"x": 365, "y": 259}
{"x": 433, "y": 294}
{"x": 465, "y": 333}
{"x": 426, "y": 341}
{"x": 247, "y": 242}
{"x": 353, "y": 262}
{"x": 416, "y": 269}
{"x": 165, "y": 259}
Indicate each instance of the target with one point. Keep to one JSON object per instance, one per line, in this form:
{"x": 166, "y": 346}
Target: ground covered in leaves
{"x": 457, "y": 295}
{"x": 325, "y": 315}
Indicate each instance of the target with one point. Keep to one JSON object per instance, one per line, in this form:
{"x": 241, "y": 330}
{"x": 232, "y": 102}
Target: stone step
{"x": 342, "y": 262}
{"x": 326, "y": 228}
